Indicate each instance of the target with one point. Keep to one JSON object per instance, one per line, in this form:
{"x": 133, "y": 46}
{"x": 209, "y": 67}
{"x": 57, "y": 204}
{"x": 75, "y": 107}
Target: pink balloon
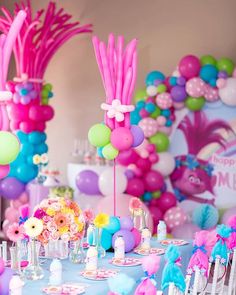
{"x": 153, "y": 181}
{"x": 149, "y": 126}
{"x": 144, "y": 164}
{"x": 137, "y": 236}
{"x": 211, "y": 93}
{"x": 24, "y": 198}
{"x": 18, "y": 112}
{"x": 164, "y": 101}
{"x": 12, "y": 214}
{"x": 135, "y": 187}
{"x": 14, "y": 125}
{"x": 189, "y": 66}
{"x": 175, "y": 216}
{"x": 161, "y": 120}
{"x": 166, "y": 201}
{"x": 5, "y": 226}
{"x": 126, "y": 158}
{"x": 195, "y": 87}
{"x": 105, "y": 205}
{"x": 122, "y": 138}
{"x": 228, "y": 214}
{"x": 15, "y": 204}
{"x": 185, "y": 231}
{"x": 40, "y": 126}
{"x": 4, "y": 170}
{"x": 48, "y": 112}
{"x": 35, "y": 113}
{"x": 157, "y": 215}
{"x": 27, "y": 126}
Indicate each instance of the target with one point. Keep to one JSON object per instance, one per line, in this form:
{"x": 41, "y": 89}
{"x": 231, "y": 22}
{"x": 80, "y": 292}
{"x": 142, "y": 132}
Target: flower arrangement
{"x": 62, "y": 219}
{"x": 62, "y": 192}
{"x": 33, "y": 227}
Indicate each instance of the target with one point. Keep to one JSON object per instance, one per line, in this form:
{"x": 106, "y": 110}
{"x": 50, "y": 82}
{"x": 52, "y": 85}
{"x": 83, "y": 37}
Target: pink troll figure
{"x": 231, "y": 242}
{"x": 150, "y": 265}
{"x": 199, "y": 258}
{"x": 192, "y": 175}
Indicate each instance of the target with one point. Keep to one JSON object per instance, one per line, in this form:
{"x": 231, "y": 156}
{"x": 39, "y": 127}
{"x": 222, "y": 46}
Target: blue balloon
{"x": 43, "y": 136}
{"x": 26, "y": 172}
{"x": 19, "y": 160}
{"x": 153, "y": 76}
{"x": 135, "y": 117}
{"x": 114, "y": 225}
{"x": 173, "y": 81}
{"x": 169, "y": 123}
{"x": 27, "y": 149}
{"x": 23, "y": 137}
{"x": 150, "y": 107}
{"x": 29, "y": 160}
{"x": 140, "y": 105}
{"x": 99, "y": 152}
{"x": 165, "y": 113}
{"x": 208, "y": 72}
{"x": 212, "y": 82}
{"x": 41, "y": 148}
{"x": 35, "y": 137}
{"x": 147, "y": 196}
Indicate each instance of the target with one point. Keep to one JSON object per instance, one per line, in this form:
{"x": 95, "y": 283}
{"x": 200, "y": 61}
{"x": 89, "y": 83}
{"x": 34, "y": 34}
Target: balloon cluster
{"x": 122, "y": 226}
{"x": 33, "y": 143}
{"x": 118, "y": 70}
{"x": 195, "y": 81}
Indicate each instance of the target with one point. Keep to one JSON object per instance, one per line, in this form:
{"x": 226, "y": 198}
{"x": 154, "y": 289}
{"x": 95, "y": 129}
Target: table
{"x": 71, "y": 272}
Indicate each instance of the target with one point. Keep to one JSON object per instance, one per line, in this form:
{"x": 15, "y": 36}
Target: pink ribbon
{"x": 178, "y": 261}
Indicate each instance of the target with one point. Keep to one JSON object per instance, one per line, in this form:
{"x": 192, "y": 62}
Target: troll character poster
{"x": 204, "y": 146}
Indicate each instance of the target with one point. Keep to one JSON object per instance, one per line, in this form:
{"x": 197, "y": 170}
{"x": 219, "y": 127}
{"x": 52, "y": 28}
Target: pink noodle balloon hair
{"x": 192, "y": 175}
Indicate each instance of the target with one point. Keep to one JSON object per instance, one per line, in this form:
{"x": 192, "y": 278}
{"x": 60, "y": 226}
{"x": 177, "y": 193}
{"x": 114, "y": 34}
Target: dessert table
{"x": 71, "y": 272}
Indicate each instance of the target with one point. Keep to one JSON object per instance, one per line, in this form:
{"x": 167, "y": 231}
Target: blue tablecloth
{"x": 71, "y": 273}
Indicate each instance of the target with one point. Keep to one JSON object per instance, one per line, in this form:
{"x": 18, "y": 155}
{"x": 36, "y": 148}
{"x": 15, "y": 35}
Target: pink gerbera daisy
{"x": 15, "y": 232}
{"x": 88, "y": 215}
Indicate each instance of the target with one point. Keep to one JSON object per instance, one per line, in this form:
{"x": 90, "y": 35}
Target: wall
{"x": 167, "y": 30}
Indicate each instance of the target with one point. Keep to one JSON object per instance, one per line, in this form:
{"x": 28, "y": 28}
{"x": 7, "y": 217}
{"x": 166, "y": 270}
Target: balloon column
{"x": 118, "y": 67}
{"x": 40, "y": 37}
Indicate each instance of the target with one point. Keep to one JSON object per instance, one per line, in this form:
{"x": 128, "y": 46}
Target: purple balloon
{"x": 178, "y": 93}
{"x": 222, "y": 74}
{"x": 5, "y": 278}
{"x": 129, "y": 174}
{"x": 126, "y": 223}
{"x": 11, "y": 188}
{"x": 138, "y": 135}
{"x": 128, "y": 238}
{"x": 181, "y": 81}
{"x": 87, "y": 182}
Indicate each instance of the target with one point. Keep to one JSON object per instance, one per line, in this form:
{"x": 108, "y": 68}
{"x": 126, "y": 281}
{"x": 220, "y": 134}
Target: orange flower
{"x": 75, "y": 208}
{"x": 60, "y": 220}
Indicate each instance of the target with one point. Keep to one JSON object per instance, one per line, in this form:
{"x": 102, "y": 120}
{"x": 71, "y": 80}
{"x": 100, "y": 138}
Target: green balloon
{"x": 9, "y": 147}
{"x": 161, "y": 141}
{"x": 140, "y": 94}
{"x": 161, "y": 88}
{"x": 195, "y": 104}
{"x": 99, "y": 135}
{"x": 156, "y": 194}
{"x": 109, "y": 152}
{"x": 208, "y": 60}
{"x": 156, "y": 113}
{"x": 225, "y": 64}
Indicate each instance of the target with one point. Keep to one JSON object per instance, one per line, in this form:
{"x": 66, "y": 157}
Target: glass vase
{"x": 100, "y": 249}
{"x": 77, "y": 253}
{"x": 56, "y": 249}
{"x": 33, "y": 271}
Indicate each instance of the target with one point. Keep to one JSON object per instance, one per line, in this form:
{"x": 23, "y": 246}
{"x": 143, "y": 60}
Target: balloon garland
{"x": 118, "y": 69}
{"x": 29, "y": 110}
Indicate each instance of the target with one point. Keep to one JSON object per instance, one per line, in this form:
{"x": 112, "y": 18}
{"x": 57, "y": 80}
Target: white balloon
{"x": 106, "y": 181}
{"x": 228, "y": 92}
{"x": 151, "y": 90}
{"x": 166, "y": 164}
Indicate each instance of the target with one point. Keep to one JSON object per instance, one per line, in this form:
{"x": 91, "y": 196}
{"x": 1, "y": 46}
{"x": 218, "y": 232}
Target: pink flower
{"x": 54, "y": 235}
{"x": 73, "y": 228}
{"x": 51, "y": 226}
{"x": 135, "y": 204}
{"x": 46, "y": 235}
{"x": 88, "y": 215}
{"x": 46, "y": 218}
{"x": 39, "y": 213}
{"x": 15, "y": 232}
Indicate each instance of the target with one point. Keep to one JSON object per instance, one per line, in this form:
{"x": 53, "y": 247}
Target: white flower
{"x": 36, "y": 159}
{"x": 44, "y": 158}
{"x": 33, "y": 227}
{"x": 116, "y": 110}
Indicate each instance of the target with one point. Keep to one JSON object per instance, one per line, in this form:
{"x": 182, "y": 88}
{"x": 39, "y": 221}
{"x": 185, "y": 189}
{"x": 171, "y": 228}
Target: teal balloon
{"x": 18, "y": 161}
{"x": 153, "y": 76}
{"x": 135, "y": 117}
{"x": 27, "y": 149}
{"x": 140, "y": 105}
{"x": 29, "y": 160}
{"x": 35, "y": 137}
{"x": 41, "y": 149}
{"x": 114, "y": 225}
{"x": 147, "y": 196}
{"x": 208, "y": 72}
{"x": 165, "y": 113}
{"x": 26, "y": 172}
{"x": 150, "y": 107}
{"x": 99, "y": 152}
{"x": 173, "y": 81}
{"x": 23, "y": 137}
{"x": 43, "y": 136}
